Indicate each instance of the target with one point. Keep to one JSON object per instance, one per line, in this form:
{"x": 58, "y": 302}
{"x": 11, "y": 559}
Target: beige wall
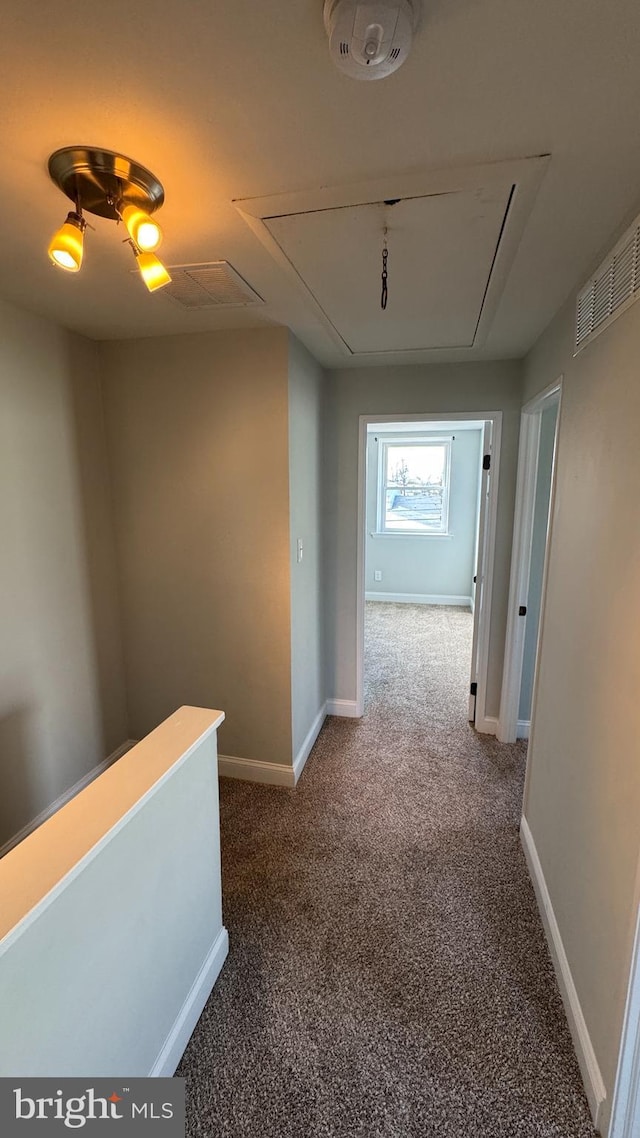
{"x": 62, "y": 706}
{"x": 583, "y": 798}
{"x": 308, "y": 693}
{"x": 198, "y": 439}
{"x": 437, "y": 388}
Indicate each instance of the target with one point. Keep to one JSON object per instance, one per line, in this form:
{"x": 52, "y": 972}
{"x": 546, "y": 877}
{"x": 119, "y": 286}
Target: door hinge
{"x": 486, "y": 462}
{"x": 522, "y": 611}
{"x": 473, "y": 689}
{"x": 475, "y": 580}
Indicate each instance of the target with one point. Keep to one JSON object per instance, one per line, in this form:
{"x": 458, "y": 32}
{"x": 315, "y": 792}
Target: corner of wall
{"x": 306, "y": 538}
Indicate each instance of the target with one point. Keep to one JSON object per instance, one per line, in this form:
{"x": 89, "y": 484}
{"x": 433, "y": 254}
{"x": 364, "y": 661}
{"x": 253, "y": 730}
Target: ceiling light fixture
{"x": 152, "y": 270}
{"x": 67, "y": 245}
{"x": 141, "y": 228}
{"x": 108, "y": 185}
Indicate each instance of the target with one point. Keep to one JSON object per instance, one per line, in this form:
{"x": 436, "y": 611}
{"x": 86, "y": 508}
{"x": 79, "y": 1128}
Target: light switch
{"x": 300, "y": 550}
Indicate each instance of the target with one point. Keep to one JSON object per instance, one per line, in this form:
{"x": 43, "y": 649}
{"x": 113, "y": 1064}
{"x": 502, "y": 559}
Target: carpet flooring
{"x": 388, "y": 975}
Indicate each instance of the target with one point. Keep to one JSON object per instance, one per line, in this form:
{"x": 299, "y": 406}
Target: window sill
{"x": 408, "y": 533}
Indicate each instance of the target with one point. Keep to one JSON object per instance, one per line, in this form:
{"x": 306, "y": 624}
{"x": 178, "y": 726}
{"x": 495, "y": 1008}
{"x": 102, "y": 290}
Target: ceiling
{"x": 238, "y": 100}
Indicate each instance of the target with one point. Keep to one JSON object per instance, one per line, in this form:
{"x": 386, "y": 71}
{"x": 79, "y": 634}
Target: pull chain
{"x": 385, "y": 254}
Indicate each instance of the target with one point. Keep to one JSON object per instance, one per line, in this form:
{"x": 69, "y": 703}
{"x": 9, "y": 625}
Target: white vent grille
{"x": 213, "y": 285}
{"x": 611, "y": 290}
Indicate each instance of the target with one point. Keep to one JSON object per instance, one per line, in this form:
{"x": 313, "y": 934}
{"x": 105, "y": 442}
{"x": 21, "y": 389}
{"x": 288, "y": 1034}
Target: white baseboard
{"x": 254, "y": 770}
{"x": 307, "y": 746}
{"x": 273, "y": 774}
{"x": 523, "y": 727}
{"x": 174, "y": 1045}
{"x": 591, "y": 1076}
{"x": 420, "y": 599}
{"x": 62, "y": 800}
{"x": 487, "y": 726}
{"x": 347, "y": 708}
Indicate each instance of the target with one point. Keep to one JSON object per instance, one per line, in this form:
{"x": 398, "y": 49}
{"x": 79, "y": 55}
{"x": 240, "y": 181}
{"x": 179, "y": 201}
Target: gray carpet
{"x": 388, "y": 974}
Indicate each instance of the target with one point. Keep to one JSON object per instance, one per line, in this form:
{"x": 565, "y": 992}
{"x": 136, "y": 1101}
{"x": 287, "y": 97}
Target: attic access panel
{"x": 453, "y": 235}
{"x": 441, "y": 250}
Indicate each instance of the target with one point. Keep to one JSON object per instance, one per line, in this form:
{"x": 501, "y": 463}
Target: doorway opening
{"x": 625, "y": 1113}
{"x": 533, "y": 516}
{"x": 426, "y": 535}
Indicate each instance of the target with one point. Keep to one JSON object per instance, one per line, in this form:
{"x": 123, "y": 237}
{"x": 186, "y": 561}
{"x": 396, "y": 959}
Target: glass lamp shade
{"x": 67, "y": 244}
{"x": 142, "y": 229}
{"x": 152, "y": 271}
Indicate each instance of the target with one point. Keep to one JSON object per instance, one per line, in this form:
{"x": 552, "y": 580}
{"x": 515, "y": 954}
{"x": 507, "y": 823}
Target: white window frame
{"x": 388, "y": 440}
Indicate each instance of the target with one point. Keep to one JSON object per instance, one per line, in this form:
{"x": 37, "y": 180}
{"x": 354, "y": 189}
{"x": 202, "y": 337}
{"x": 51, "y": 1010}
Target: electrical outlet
{"x": 377, "y": 576}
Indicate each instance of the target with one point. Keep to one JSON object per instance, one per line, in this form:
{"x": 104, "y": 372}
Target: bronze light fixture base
{"x": 101, "y": 180}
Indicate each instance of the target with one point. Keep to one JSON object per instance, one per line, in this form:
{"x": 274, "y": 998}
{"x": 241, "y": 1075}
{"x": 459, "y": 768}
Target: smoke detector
{"x": 369, "y": 39}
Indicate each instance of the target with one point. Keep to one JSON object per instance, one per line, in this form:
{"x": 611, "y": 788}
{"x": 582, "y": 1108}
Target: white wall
{"x": 198, "y": 437}
{"x": 397, "y": 391}
{"x": 305, "y": 503}
{"x": 62, "y": 703}
{"x": 582, "y": 802}
{"x": 428, "y": 564}
{"x": 111, "y": 930}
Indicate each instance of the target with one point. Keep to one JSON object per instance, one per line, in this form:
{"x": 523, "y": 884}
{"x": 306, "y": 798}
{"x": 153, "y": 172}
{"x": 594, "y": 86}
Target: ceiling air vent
{"x": 613, "y": 287}
{"x": 212, "y": 285}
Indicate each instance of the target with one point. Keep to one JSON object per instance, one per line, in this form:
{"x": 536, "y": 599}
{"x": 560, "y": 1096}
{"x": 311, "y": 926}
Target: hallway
{"x": 388, "y": 974}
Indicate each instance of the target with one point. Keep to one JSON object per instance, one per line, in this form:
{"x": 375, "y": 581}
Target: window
{"x": 413, "y": 486}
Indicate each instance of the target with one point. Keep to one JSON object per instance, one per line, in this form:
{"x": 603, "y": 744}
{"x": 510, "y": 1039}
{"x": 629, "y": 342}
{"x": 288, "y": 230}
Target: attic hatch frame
{"x": 523, "y": 175}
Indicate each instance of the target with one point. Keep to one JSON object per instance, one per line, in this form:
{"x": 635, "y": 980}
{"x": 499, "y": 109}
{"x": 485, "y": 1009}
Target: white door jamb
{"x": 521, "y": 558}
{"x": 487, "y": 522}
{"x": 625, "y": 1114}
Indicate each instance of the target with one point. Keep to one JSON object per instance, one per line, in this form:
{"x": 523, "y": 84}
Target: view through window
{"x": 413, "y": 492}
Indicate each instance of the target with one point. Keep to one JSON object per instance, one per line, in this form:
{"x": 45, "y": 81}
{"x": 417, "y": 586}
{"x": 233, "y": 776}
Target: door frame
{"x": 625, "y": 1112}
{"x": 483, "y": 723}
{"x": 528, "y": 452}
{"x": 480, "y": 587}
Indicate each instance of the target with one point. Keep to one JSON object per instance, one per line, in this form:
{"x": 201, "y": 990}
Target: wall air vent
{"x": 212, "y": 285}
{"x": 611, "y": 290}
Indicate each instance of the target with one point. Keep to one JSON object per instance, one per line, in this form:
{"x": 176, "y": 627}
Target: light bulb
{"x": 142, "y": 229}
{"x": 152, "y": 271}
{"x": 66, "y": 246}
